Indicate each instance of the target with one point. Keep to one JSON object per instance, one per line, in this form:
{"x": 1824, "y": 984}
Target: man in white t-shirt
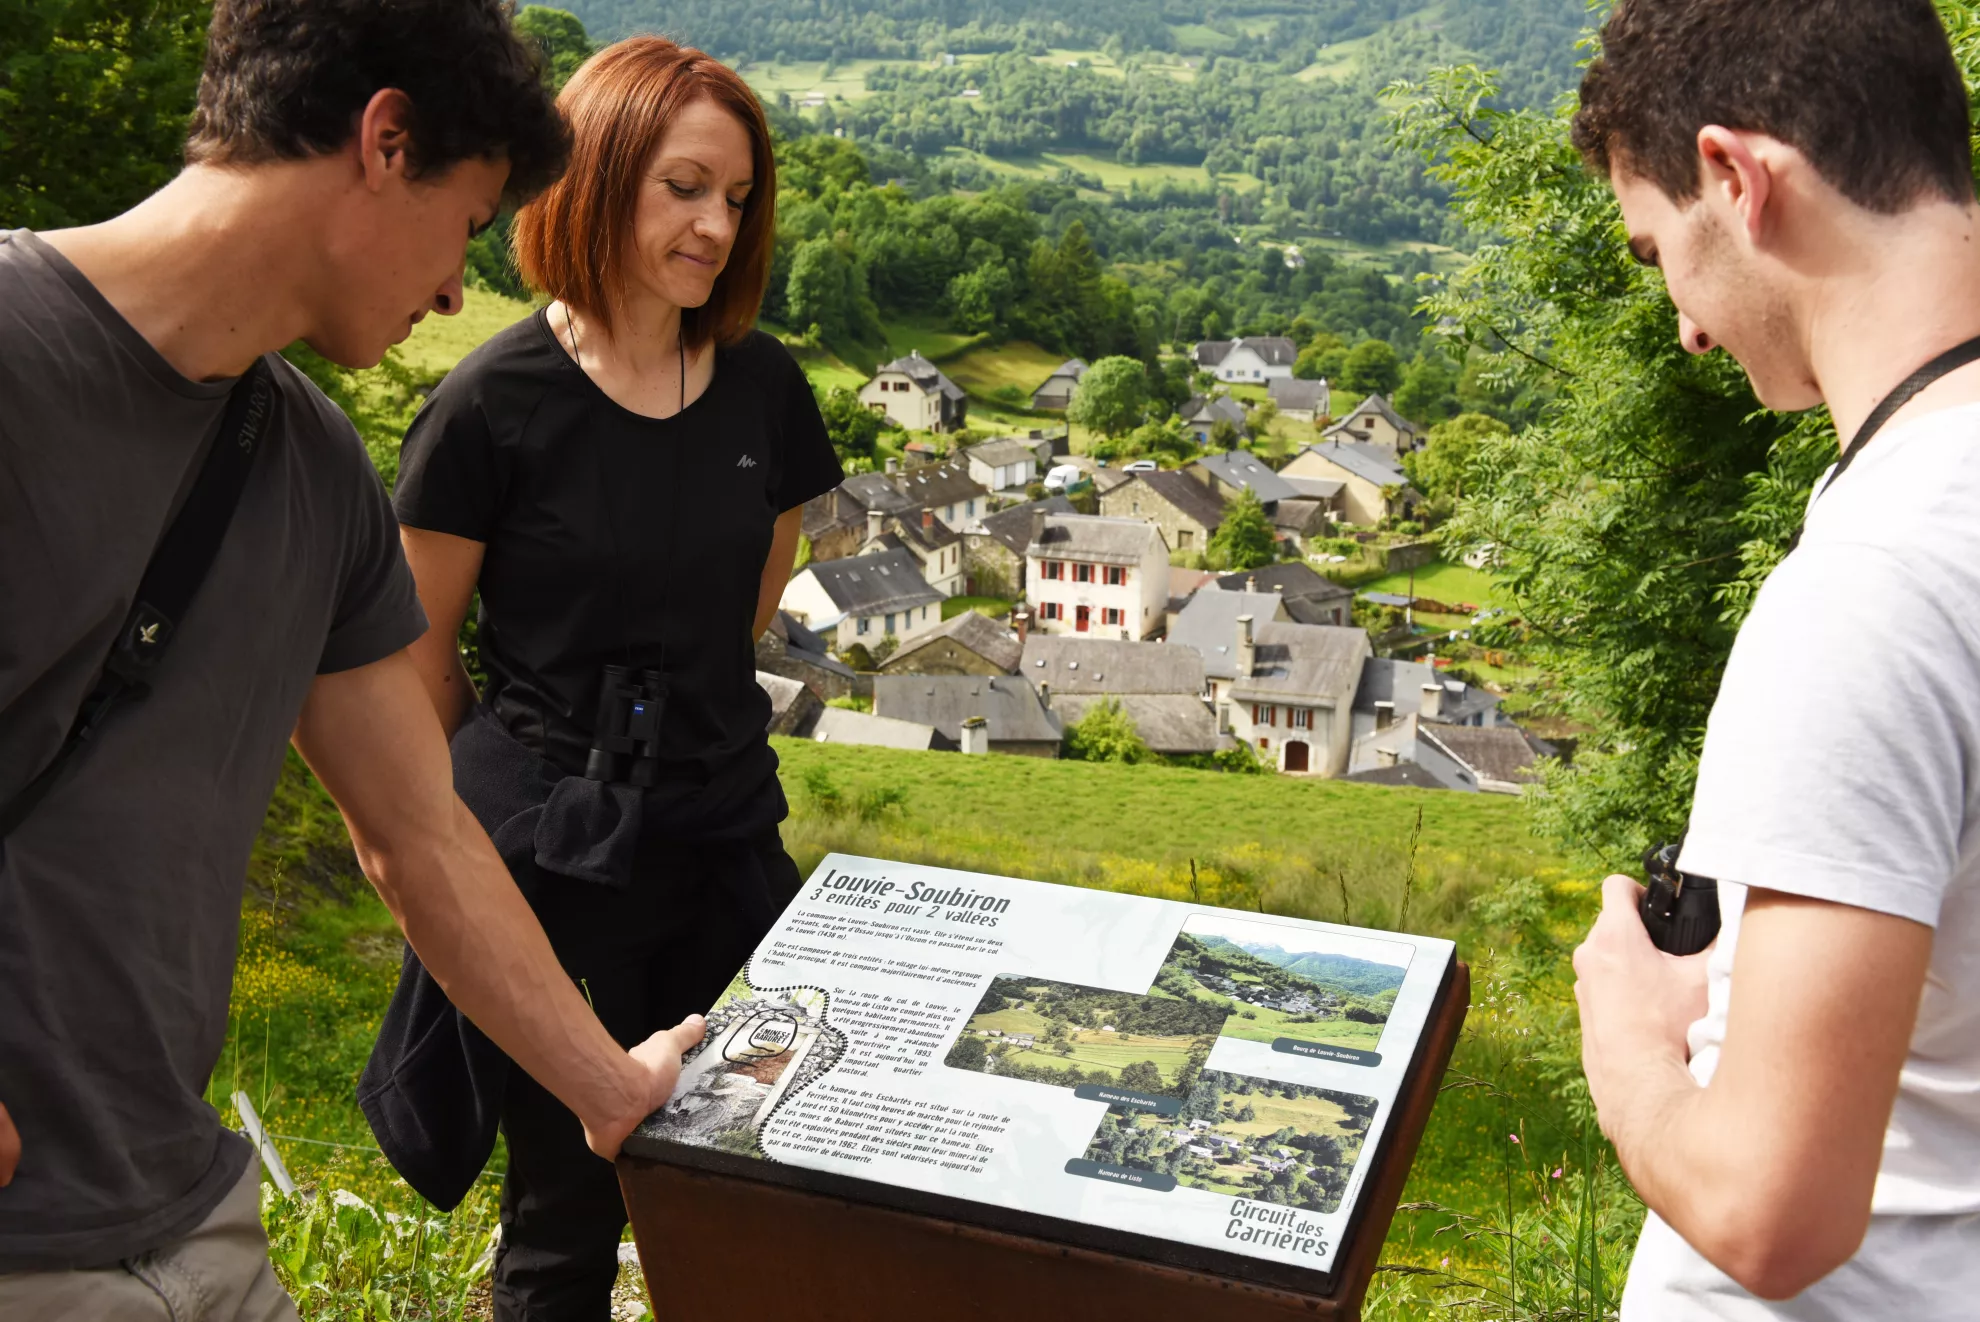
{"x": 1800, "y": 1106}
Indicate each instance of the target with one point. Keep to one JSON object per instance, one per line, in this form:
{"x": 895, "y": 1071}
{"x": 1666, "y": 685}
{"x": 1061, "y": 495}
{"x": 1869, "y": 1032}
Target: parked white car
{"x": 1062, "y": 476}
{"x": 1141, "y": 466}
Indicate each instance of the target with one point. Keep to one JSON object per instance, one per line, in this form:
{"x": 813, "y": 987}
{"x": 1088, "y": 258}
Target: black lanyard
{"x": 1945, "y": 364}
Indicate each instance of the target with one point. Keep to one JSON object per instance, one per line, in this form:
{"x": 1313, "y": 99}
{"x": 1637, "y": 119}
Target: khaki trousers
{"x": 218, "y": 1273}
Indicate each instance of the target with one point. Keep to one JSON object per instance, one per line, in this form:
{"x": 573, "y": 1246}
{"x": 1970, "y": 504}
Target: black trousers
{"x": 647, "y": 957}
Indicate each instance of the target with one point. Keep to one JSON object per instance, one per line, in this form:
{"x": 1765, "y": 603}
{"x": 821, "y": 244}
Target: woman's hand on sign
{"x": 10, "y": 1148}
{"x": 659, "y": 1063}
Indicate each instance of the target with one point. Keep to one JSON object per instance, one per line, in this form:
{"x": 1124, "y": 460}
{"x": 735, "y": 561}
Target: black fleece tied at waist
{"x": 432, "y": 1089}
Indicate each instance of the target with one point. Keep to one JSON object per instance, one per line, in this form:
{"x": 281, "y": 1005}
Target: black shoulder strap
{"x": 1907, "y": 390}
{"x": 171, "y": 580}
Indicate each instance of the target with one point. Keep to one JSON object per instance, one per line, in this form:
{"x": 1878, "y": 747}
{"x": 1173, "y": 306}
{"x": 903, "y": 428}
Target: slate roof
{"x": 1208, "y": 626}
{"x": 1072, "y": 367}
{"x": 1184, "y": 584}
{"x": 796, "y": 637}
{"x": 939, "y": 484}
{"x": 1191, "y": 498}
{"x": 1241, "y": 468}
{"x": 1492, "y": 752}
{"x": 1012, "y": 527}
{"x": 1385, "y": 679}
{"x": 1291, "y": 580}
{"x": 1167, "y": 722}
{"x": 1315, "y": 488}
{"x": 1207, "y": 409}
{"x": 848, "y": 503}
{"x": 874, "y": 584}
{"x": 1372, "y": 463}
{"x": 1010, "y": 705}
{"x": 1274, "y": 350}
{"x": 974, "y": 630}
{"x": 924, "y": 374}
{"x": 1073, "y": 665}
{"x": 1095, "y": 538}
{"x": 1302, "y": 517}
{"x": 907, "y": 530}
{"x": 1106, "y": 479}
{"x": 1404, "y": 774}
{"x": 1303, "y": 660}
{"x": 1290, "y": 392}
{"x": 837, "y": 725}
{"x": 1001, "y": 450}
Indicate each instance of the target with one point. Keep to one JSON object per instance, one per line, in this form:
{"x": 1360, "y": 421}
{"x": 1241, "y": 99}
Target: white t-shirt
{"x": 1842, "y": 761}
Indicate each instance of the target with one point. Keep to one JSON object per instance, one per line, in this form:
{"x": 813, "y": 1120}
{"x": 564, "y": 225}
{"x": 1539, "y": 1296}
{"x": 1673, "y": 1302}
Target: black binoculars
{"x": 625, "y": 745}
{"x": 1680, "y": 910}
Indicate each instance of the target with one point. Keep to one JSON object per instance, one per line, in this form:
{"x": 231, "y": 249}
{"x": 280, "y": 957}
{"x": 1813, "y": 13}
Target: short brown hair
{"x": 285, "y": 80}
{"x": 572, "y": 242}
{"x": 1867, "y": 90}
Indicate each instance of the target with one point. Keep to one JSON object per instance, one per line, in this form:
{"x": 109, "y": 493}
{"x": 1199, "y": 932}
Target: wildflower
{"x": 1557, "y": 1172}
{"x": 1447, "y": 1264}
{"x": 1513, "y": 1137}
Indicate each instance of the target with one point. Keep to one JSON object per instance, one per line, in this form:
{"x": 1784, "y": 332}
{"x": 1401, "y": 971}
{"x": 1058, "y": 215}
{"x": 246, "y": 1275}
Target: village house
{"x": 1186, "y": 510}
{"x": 863, "y": 599}
{"x": 789, "y": 649}
{"x": 1015, "y": 718}
{"x": 1087, "y": 573}
{"x": 1159, "y": 687}
{"x": 1201, "y": 414}
{"x": 913, "y": 393}
{"x": 1309, "y": 596}
{"x": 937, "y": 550}
{"x": 1285, "y": 689}
{"x": 1183, "y": 584}
{"x": 970, "y": 644}
{"x": 1260, "y": 358}
{"x": 993, "y": 547}
{"x": 1376, "y": 422}
{"x": 1058, "y": 389}
{"x": 1003, "y": 463}
{"x": 1495, "y": 759}
{"x": 1229, "y": 472}
{"x": 1299, "y": 400}
{"x": 1397, "y": 699}
{"x": 793, "y": 707}
{"x": 946, "y": 489}
{"x": 835, "y": 523}
{"x": 1373, "y": 485}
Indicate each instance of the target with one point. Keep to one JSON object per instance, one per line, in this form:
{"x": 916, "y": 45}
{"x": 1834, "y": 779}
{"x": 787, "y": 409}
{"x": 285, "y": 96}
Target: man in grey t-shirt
{"x": 340, "y": 158}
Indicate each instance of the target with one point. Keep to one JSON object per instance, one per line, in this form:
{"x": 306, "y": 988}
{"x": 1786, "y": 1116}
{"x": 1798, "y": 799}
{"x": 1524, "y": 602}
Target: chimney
{"x": 1251, "y": 582}
{"x": 1386, "y": 757}
{"x": 1045, "y": 696}
{"x": 1246, "y": 654}
{"x": 875, "y": 524}
{"x": 1037, "y": 527}
{"x": 976, "y": 735}
{"x": 927, "y": 520}
{"x": 1385, "y": 715}
{"x": 1021, "y": 621}
{"x": 893, "y": 465}
{"x": 1433, "y": 702}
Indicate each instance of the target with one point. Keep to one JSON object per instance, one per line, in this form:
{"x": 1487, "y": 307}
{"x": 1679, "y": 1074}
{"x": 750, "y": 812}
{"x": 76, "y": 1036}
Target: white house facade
{"x": 1088, "y": 574}
{"x": 1260, "y": 358}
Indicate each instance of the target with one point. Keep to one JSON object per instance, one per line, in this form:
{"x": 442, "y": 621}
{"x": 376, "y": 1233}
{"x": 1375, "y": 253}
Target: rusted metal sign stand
{"x": 716, "y": 1245}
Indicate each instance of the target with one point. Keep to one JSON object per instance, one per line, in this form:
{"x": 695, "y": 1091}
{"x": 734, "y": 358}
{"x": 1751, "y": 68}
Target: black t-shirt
{"x": 614, "y": 538}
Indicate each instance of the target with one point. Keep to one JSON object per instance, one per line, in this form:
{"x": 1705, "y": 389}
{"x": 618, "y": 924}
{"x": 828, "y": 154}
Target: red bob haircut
{"x": 572, "y": 241}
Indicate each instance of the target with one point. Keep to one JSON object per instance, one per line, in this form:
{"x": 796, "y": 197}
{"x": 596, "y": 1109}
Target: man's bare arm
{"x": 371, "y": 737}
{"x": 1768, "y": 1172}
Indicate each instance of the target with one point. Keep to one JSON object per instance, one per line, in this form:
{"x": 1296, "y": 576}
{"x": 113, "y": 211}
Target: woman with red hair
{"x": 621, "y": 476}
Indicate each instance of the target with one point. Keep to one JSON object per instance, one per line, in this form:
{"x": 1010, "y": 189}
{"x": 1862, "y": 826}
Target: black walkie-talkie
{"x": 1680, "y": 909}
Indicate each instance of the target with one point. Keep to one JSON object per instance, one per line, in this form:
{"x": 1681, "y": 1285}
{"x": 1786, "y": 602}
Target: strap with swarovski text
{"x": 1946, "y": 363}
{"x": 170, "y": 582}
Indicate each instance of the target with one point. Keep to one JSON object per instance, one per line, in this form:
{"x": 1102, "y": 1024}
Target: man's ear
{"x": 1735, "y": 173}
{"x": 384, "y": 137}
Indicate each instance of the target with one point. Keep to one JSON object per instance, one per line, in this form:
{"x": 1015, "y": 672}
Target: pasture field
{"x": 1272, "y": 1024}
{"x": 934, "y": 340}
{"x": 1010, "y": 1020}
{"x": 1112, "y": 1052}
{"x": 438, "y": 343}
{"x": 1015, "y": 364}
{"x": 803, "y": 78}
{"x": 1312, "y": 1115}
{"x": 1450, "y": 584}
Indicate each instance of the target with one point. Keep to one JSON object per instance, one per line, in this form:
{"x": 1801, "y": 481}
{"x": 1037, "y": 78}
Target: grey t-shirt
{"x": 120, "y": 897}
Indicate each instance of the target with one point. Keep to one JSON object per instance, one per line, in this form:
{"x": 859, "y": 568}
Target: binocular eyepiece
{"x": 626, "y": 743}
{"x": 1680, "y": 909}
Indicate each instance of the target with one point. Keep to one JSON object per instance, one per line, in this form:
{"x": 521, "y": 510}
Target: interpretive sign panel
{"x": 1203, "y": 1087}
